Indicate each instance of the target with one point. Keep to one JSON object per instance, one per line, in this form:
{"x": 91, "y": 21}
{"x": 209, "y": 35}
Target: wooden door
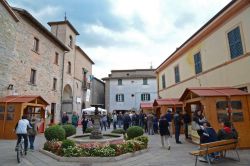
{"x": 12, "y": 117}
{"x": 240, "y": 118}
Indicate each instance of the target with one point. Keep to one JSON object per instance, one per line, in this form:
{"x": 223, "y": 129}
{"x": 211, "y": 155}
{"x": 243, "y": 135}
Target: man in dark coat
{"x": 126, "y": 121}
{"x": 164, "y": 132}
{"x": 177, "y": 125}
{"x": 186, "y": 120}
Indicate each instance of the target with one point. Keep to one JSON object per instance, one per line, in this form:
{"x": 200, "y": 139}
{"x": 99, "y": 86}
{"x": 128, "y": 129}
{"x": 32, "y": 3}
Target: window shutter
{"x": 235, "y": 44}
{"x": 141, "y": 97}
{"x": 148, "y": 97}
{"x": 122, "y": 97}
{"x": 116, "y": 97}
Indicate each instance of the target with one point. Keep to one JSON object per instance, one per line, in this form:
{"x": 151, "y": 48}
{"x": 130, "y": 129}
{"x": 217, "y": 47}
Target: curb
{"x": 92, "y": 159}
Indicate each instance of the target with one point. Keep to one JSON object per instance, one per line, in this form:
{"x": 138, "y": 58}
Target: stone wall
{"x": 7, "y": 45}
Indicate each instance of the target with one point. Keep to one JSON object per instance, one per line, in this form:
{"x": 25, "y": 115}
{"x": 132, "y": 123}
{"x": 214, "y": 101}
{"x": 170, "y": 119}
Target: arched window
{"x": 69, "y": 67}
{"x": 70, "y": 41}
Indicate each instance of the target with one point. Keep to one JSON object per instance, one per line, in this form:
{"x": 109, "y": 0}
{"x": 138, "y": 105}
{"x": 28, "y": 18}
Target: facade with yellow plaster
{"x": 218, "y": 54}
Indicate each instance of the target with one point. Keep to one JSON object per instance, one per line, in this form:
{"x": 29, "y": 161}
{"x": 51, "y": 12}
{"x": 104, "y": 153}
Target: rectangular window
{"x": 197, "y": 63}
{"x": 119, "y": 81}
{"x": 119, "y": 97}
{"x": 145, "y": 97}
{"x": 33, "y": 76}
{"x": 54, "y": 83}
{"x": 163, "y": 81}
{"x": 36, "y": 44}
{"x": 177, "y": 74}
{"x": 56, "y": 58}
{"x": 145, "y": 81}
{"x": 236, "y": 105}
{"x": 235, "y": 44}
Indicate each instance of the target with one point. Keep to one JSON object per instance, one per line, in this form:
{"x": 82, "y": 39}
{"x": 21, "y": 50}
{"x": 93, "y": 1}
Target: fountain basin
{"x": 107, "y": 139}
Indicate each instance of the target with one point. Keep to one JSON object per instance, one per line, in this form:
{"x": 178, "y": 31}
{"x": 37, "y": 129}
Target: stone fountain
{"x": 96, "y": 133}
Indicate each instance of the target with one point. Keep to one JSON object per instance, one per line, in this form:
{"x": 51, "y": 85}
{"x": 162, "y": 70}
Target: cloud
{"x": 184, "y": 19}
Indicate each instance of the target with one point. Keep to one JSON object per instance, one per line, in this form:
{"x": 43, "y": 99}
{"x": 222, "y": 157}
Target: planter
{"x": 92, "y": 159}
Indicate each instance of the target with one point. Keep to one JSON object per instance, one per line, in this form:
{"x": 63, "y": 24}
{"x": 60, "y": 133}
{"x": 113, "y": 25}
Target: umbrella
{"x": 91, "y": 110}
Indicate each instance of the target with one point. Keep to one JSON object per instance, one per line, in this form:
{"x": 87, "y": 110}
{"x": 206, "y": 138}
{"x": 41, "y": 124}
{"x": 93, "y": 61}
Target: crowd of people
{"x": 151, "y": 124}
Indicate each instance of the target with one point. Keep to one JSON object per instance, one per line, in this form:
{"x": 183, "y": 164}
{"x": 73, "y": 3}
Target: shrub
{"x": 89, "y": 130}
{"x": 73, "y": 151}
{"x": 119, "y": 131}
{"x": 55, "y": 132}
{"x": 69, "y": 130}
{"x": 143, "y": 139}
{"x": 52, "y": 146}
{"x": 103, "y": 152}
{"x": 134, "y": 131}
{"x": 67, "y": 143}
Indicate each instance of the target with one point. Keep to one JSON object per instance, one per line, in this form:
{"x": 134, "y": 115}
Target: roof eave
{"x": 40, "y": 26}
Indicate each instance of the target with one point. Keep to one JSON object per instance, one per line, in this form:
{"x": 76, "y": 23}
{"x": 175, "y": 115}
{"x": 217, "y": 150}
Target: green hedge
{"x": 67, "y": 143}
{"x": 134, "y": 131}
{"x": 55, "y": 132}
{"x": 118, "y": 131}
{"x": 69, "y": 130}
{"x": 89, "y": 130}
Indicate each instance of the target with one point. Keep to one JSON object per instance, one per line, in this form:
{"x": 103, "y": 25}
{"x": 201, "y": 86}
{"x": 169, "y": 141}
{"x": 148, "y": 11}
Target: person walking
{"x": 169, "y": 120}
{"x": 21, "y": 132}
{"x": 164, "y": 131}
{"x": 177, "y": 125}
{"x": 74, "y": 119}
{"x": 32, "y": 132}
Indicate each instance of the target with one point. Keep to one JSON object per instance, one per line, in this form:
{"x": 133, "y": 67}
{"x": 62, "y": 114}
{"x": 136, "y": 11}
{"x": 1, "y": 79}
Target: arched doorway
{"x": 67, "y": 99}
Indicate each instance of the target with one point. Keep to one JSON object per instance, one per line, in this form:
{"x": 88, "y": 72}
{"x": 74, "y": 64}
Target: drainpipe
{"x": 62, "y": 81}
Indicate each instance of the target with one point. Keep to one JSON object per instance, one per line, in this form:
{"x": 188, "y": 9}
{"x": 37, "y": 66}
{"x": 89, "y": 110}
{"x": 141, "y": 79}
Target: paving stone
{"x": 156, "y": 156}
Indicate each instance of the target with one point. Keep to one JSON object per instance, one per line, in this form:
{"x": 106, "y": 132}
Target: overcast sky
{"x": 126, "y": 34}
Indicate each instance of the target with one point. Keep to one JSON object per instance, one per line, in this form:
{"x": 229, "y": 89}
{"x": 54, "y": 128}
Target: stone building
{"x": 35, "y": 61}
{"x": 218, "y": 54}
{"x": 77, "y": 69}
{"x": 126, "y": 89}
{"x": 98, "y": 91}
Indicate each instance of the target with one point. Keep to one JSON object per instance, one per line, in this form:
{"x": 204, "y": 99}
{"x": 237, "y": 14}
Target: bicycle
{"x": 20, "y": 151}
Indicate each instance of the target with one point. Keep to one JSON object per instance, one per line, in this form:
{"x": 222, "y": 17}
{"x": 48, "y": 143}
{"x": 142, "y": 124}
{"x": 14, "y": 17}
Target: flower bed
{"x": 97, "y": 149}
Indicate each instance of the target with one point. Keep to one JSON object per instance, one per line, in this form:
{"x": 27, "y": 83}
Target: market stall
{"x": 13, "y": 107}
{"x": 218, "y": 104}
{"x": 147, "y": 108}
{"x": 163, "y": 105}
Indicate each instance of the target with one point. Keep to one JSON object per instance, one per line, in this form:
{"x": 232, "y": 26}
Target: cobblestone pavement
{"x": 156, "y": 156}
